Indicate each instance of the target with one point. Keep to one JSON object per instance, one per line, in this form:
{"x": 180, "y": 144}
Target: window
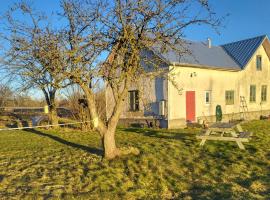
{"x": 252, "y": 93}
{"x": 133, "y": 100}
{"x": 259, "y": 63}
{"x": 229, "y": 97}
{"x": 207, "y": 97}
{"x": 264, "y": 93}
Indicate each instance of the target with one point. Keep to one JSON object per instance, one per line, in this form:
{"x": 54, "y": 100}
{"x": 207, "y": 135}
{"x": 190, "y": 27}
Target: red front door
{"x": 190, "y": 105}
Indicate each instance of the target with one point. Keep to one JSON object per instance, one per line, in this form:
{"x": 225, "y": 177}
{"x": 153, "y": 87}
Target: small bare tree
{"x": 5, "y": 95}
{"x": 33, "y": 54}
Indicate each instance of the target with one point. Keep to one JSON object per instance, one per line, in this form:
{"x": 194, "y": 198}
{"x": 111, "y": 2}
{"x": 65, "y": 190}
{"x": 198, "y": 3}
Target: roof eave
{"x": 227, "y": 68}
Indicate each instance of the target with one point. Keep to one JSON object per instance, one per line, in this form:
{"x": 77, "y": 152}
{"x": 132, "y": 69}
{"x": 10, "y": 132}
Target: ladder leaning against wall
{"x": 243, "y": 107}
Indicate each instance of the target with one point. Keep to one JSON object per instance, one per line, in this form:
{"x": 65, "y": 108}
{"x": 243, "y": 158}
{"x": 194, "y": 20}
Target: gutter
{"x": 204, "y": 67}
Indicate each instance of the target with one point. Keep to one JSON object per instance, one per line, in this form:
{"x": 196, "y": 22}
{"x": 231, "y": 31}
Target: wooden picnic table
{"x": 225, "y": 132}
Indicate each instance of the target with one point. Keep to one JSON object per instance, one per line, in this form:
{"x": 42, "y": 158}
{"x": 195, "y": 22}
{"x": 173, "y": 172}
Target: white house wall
{"x": 204, "y": 80}
{"x": 217, "y": 81}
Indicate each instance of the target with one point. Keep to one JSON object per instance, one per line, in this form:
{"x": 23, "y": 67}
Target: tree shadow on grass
{"x": 257, "y": 180}
{"x": 206, "y": 191}
{"x": 91, "y": 150}
{"x": 163, "y": 134}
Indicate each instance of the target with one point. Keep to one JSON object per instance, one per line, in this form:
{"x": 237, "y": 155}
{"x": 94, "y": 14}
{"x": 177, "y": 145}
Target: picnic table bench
{"x": 225, "y": 132}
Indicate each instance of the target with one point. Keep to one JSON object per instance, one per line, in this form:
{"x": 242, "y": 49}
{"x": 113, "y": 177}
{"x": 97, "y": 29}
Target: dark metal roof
{"x": 231, "y": 56}
{"x": 242, "y": 51}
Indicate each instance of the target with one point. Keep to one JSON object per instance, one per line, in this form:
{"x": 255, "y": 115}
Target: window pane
{"x": 136, "y": 98}
{"x": 259, "y": 63}
{"x": 133, "y": 100}
{"x": 207, "y": 97}
{"x": 232, "y": 97}
{"x": 229, "y": 97}
{"x": 252, "y": 97}
{"x": 264, "y": 93}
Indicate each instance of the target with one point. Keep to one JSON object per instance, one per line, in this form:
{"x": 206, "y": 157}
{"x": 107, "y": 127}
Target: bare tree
{"x": 33, "y": 55}
{"x": 73, "y": 94}
{"x": 130, "y": 31}
{"x": 5, "y": 95}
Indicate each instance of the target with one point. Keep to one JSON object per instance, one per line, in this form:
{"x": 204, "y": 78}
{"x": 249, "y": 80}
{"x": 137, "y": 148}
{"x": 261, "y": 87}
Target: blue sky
{"x": 247, "y": 18}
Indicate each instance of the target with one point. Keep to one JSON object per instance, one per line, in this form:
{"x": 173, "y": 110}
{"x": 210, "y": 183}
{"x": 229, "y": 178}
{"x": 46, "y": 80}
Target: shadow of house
{"x": 87, "y": 149}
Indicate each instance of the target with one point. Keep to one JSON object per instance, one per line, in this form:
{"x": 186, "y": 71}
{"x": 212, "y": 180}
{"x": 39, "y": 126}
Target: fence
{"x": 43, "y": 126}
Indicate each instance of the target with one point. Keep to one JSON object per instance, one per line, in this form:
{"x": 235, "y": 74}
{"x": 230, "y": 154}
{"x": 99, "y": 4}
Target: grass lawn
{"x": 67, "y": 164}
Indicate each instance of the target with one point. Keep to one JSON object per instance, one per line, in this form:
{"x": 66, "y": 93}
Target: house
{"x": 230, "y": 75}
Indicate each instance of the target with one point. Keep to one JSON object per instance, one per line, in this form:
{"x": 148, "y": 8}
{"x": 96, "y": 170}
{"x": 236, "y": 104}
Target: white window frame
{"x": 210, "y": 97}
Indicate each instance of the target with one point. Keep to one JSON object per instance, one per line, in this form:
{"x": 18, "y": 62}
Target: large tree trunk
{"x": 50, "y": 100}
{"x": 109, "y": 145}
{"x": 53, "y": 117}
{"x": 52, "y": 109}
{"x": 107, "y": 132}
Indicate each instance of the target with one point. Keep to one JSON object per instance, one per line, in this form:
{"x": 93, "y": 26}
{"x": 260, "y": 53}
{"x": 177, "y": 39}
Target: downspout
{"x": 169, "y": 96}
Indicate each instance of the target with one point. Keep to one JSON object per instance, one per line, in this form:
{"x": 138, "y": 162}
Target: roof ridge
{"x": 243, "y": 50}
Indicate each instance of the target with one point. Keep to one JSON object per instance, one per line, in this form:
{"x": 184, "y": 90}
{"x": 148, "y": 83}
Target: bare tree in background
{"x": 8, "y": 98}
{"x": 73, "y": 94}
{"x": 33, "y": 54}
{"x": 132, "y": 31}
{"x": 5, "y": 95}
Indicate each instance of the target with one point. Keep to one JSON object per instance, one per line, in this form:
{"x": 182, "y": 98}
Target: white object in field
{"x": 162, "y": 107}
{"x": 46, "y": 109}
